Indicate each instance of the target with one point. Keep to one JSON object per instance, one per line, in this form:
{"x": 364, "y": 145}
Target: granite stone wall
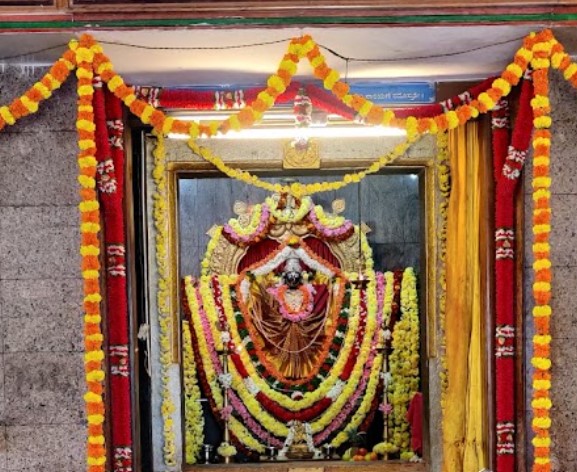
{"x": 41, "y": 365}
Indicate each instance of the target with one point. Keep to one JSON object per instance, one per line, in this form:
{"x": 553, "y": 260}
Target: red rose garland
{"x": 508, "y": 162}
{"x": 110, "y": 195}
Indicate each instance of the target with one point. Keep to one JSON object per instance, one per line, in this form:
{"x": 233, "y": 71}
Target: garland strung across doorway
{"x": 179, "y": 99}
{"x": 541, "y": 50}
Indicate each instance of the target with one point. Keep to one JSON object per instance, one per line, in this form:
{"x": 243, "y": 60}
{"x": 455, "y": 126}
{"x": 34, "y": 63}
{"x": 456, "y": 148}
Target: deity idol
{"x": 280, "y": 296}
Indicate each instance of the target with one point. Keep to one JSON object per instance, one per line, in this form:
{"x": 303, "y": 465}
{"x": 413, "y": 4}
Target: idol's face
{"x": 293, "y": 279}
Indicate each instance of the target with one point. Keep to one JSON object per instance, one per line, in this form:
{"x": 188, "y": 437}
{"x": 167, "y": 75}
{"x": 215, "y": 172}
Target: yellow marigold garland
{"x": 404, "y": 364}
{"x": 541, "y": 183}
{"x": 90, "y": 250}
{"x": 444, "y": 186}
{"x": 237, "y": 428}
{"x": 269, "y": 422}
{"x": 162, "y": 297}
{"x": 193, "y": 417}
{"x": 28, "y": 103}
{"x": 298, "y": 189}
{"x": 300, "y": 48}
{"x": 541, "y": 50}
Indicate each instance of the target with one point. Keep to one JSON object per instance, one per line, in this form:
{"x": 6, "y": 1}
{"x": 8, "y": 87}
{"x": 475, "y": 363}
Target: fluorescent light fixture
{"x": 358, "y": 131}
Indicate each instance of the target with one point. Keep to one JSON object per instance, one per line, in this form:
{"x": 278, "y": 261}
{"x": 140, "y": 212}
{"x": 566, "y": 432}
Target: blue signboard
{"x": 395, "y": 93}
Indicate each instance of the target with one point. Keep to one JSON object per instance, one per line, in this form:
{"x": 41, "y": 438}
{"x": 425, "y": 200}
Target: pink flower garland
{"x": 330, "y": 233}
{"x": 234, "y": 237}
{"x": 344, "y": 414}
{"x": 235, "y": 402}
{"x": 286, "y": 312}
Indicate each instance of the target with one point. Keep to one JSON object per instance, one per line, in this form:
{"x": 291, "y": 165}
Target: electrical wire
{"x": 413, "y": 58}
{"x": 267, "y": 43}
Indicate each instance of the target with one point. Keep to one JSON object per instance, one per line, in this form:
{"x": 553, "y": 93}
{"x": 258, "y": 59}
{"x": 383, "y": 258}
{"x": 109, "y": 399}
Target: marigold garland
{"x": 541, "y": 403}
{"x": 541, "y": 50}
{"x": 29, "y": 102}
{"x": 298, "y": 189}
{"x": 298, "y": 49}
{"x": 444, "y": 187}
{"x": 90, "y": 250}
{"x": 309, "y": 398}
{"x": 162, "y": 297}
{"x": 194, "y": 419}
{"x": 372, "y": 114}
{"x": 264, "y": 367}
{"x": 404, "y": 362}
{"x": 246, "y": 392}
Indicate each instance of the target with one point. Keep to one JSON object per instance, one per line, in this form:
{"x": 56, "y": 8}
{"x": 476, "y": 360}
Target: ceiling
{"x": 411, "y": 53}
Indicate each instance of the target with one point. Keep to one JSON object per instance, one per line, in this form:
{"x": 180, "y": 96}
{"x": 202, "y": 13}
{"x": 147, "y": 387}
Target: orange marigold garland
{"x": 541, "y": 50}
{"x": 90, "y": 251}
{"x": 305, "y": 47}
{"x": 41, "y": 90}
{"x": 541, "y": 361}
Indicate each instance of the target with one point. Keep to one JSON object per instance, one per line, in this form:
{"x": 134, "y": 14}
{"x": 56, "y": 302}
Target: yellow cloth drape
{"x": 464, "y": 444}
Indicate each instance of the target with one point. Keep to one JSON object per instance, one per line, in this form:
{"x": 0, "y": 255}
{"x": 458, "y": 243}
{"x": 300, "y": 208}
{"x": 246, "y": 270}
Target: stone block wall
{"x": 41, "y": 360}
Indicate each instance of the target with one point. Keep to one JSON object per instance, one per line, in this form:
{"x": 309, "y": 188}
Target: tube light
{"x": 311, "y": 132}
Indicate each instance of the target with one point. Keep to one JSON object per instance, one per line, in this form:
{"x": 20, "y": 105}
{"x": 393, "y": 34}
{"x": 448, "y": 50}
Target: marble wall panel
{"x": 563, "y": 437}
{"x": 40, "y": 297}
{"x": 39, "y": 170}
{"x": 562, "y": 96}
{"x": 563, "y": 234}
{"x": 42, "y": 375}
{"x": 43, "y": 388}
{"x": 55, "y": 333}
{"x": 39, "y": 242}
{"x": 57, "y": 113}
{"x": 563, "y": 160}
{"x": 2, "y": 399}
{"x": 45, "y": 448}
{"x": 3, "y": 447}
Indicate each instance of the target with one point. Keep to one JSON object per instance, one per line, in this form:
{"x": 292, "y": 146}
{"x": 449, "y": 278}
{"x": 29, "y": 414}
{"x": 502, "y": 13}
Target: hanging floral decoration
{"x": 404, "y": 367}
{"x": 90, "y": 251}
{"x": 547, "y": 51}
{"x": 162, "y": 297}
{"x": 321, "y": 99}
{"x": 193, "y": 416}
{"x": 444, "y": 187}
{"x": 541, "y": 50}
{"x": 509, "y": 155}
{"x": 329, "y": 408}
{"x": 252, "y": 230}
{"x": 372, "y": 114}
{"x": 340, "y": 393}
